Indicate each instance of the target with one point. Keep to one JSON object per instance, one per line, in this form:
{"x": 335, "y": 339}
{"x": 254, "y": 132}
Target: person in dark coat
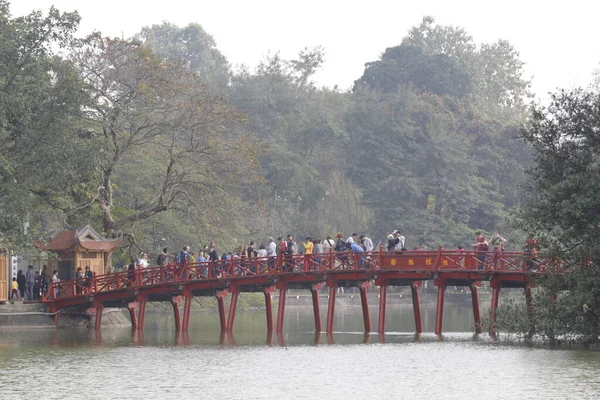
{"x": 22, "y": 282}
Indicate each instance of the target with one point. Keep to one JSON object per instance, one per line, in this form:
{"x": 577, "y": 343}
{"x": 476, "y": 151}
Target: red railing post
{"x": 496, "y": 255}
{"x": 438, "y": 262}
{"x": 332, "y": 257}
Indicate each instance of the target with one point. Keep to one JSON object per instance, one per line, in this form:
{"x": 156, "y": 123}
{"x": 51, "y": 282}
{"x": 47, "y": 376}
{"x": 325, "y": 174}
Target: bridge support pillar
{"x": 221, "y": 305}
{"x": 439, "y": 313}
{"x": 187, "y": 307}
{"x": 281, "y": 309}
{"x": 142, "y": 316}
{"x": 133, "y": 315}
{"x": 475, "y": 301}
{"x": 269, "y": 309}
{"x": 414, "y": 289}
{"x": 382, "y": 304}
{"x": 365, "y": 306}
{"x": 331, "y": 308}
{"x": 232, "y": 307}
{"x": 314, "y": 291}
{"x": 98, "y": 324}
{"x": 175, "y": 303}
{"x": 494, "y": 308}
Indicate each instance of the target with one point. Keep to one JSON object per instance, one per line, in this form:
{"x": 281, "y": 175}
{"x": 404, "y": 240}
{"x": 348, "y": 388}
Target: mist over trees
{"x": 158, "y": 138}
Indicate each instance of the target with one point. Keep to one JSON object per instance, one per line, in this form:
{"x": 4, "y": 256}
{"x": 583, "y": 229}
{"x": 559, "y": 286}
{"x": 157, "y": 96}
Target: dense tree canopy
{"x": 156, "y": 137}
{"x": 562, "y": 211}
{"x": 40, "y": 110}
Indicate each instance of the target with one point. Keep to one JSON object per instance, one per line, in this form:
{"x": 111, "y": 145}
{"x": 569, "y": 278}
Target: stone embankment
{"x": 24, "y": 314}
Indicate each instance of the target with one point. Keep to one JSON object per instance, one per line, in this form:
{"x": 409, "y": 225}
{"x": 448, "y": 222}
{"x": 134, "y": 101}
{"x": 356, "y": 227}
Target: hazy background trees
{"x": 160, "y": 139}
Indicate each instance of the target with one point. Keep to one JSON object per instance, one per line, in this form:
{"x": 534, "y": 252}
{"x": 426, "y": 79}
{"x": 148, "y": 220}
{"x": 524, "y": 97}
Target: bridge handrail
{"x": 417, "y": 260}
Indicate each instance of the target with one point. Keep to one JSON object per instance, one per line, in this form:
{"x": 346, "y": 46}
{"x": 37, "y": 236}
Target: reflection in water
{"x": 252, "y": 363}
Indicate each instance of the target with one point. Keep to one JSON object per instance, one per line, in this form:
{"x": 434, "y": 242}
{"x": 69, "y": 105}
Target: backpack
{"x": 161, "y": 259}
{"x": 182, "y": 258}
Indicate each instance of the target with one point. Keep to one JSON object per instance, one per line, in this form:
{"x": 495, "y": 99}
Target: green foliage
{"x": 192, "y": 44}
{"x": 45, "y": 159}
{"x": 563, "y": 212}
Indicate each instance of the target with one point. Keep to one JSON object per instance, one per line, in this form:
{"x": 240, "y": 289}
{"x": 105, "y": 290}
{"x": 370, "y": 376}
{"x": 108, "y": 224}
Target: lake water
{"x": 58, "y": 364}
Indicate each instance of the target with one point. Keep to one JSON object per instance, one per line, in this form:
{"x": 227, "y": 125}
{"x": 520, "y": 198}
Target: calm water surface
{"x": 58, "y": 364}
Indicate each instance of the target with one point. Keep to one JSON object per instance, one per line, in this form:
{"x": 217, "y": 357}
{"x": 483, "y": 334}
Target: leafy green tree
{"x": 563, "y": 213}
{"x": 44, "y": 151}
{"x": 167, "y": 141}
{"x": 298, "y": 127}
{"x": 192, "y": 44}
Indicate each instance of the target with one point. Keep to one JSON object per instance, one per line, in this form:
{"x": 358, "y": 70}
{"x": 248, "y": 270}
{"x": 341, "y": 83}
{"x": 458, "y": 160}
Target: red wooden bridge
{"x": 180, "y": 283}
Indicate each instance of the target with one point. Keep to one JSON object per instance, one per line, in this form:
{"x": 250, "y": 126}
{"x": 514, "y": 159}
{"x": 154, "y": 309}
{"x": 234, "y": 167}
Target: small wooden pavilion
{"x": 79, "y": 248}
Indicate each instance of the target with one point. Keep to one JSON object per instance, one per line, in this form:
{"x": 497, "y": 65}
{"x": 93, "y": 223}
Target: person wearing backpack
{"x": 481, "y": 247}
{"x": 184, "y": 256}
{"x": 163, "y": 258}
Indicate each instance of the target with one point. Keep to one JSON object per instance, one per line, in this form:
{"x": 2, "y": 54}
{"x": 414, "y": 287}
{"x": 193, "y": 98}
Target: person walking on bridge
{"x": 481, "y": 247}
{"x": 163, "y": 258}
{"x": 55, "y": 282}
{"x": 399, "y": 240}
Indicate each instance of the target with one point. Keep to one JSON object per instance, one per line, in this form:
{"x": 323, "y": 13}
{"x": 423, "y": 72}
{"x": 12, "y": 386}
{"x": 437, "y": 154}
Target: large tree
{"x": 192, "y": 44}
{"x": 166, "y": 141}
{"x": 563, "y": 212}
{"x": 44, "y": 162}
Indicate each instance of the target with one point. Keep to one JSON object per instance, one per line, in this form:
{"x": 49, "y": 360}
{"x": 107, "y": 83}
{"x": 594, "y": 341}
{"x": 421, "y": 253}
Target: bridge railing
{"x": 412, "y": 260}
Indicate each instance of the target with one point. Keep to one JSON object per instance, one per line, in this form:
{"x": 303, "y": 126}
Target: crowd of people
{"x": 283, "y": 246}
{"x": 287, "y": 246}
{"x": 32, "y": 284}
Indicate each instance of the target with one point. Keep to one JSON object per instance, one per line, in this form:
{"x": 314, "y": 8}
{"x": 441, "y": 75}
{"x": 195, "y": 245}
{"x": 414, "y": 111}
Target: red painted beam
{"x": 414, "y": 289}
{"x": 331, "y": 308}
{"x": 132, "y": 314}
{"x": 382, "y": 303}
{"x": 439, "y": 314}
{"x": 365, "y": 306}
{"x": 175, "y": 303}
{"x": 493, "y": 310}
{"x": 221, "y": 306}
{"x": 314, "y": 291}
{"x": 475, "y": 302}
{"x": 187, "y": 306}
{"x": 281, "y": 309}
{"x": 98, "y": 325}
{"x": 269, "y": 310}
{"x": 142, "y": 316}
{"x": 232, "y": 308}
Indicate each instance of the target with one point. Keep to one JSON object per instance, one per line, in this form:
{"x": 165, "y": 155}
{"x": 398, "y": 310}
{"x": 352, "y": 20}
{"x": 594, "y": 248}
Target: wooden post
{"x": 175, "y": 303}
{"x": 281, "y": 310}
{"x": 382, "y": 303}
{"x": 314, "y": 291}
{"x": 439, "y": 315}
{"x": 475, "y": 302}
{"x": 269, "y": 310}
{"x": 365, "y": 306}
{"x": 416, "y": 307}
{"x": 221, "y": 305}
{"x": 331, "y": 308}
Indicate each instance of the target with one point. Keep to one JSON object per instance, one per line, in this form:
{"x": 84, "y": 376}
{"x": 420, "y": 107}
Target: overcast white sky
{"x": 558, "y": 41}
